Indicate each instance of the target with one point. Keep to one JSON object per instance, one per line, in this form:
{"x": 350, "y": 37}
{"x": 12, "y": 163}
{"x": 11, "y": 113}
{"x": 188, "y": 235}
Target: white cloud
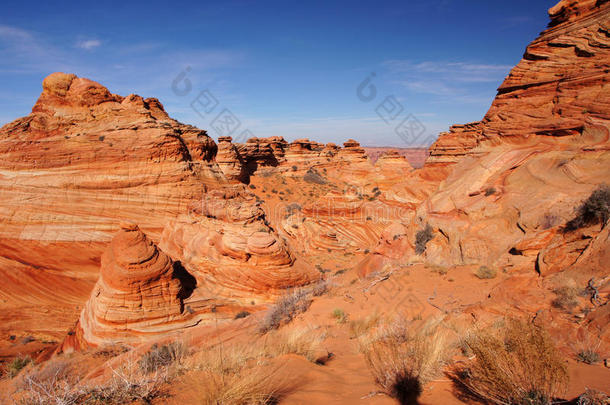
{"x": 88, "y": 44}
{"x": 455, "y": 81}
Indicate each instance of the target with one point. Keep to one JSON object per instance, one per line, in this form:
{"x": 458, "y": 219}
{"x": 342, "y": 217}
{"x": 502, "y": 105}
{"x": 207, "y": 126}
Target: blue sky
{"x": 282, "y": 68}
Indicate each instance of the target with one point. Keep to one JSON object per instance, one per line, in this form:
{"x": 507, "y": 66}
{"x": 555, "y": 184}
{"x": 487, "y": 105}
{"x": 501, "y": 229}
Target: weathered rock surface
{"x": 140, "y": 294}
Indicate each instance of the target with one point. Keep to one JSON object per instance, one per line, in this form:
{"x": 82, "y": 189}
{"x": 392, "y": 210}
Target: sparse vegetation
{"x": 586, "y": 349}
{"x": 566, "y": 297}
{"x": 403, "y": 358}
{"x": 16, "y": 365}
{"x": 517, "y": 364}
{"x": 549, "y": 221}
{"x": 162, "y": 356}
{"x": 320, "y": 288}
{"x": 593, "y": 397}
{"x": 359, "y": 327}
{"x": 312, "y": 176}
{"x": 339, "y": 315}
{"x": 594, "y": 210}
{"x": 490, "y": 191}
{"x": 422, "y": 237}
{"x": 485, "y": 272}
{"x": 303, "y": 342}
{"x": 242, "y": 314}
{"x": 588, "y": 356}
{"x": 285, "y": 309}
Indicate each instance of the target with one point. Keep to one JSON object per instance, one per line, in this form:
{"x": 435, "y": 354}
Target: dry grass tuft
{"x": 586, "y": 350}
{"x": 339, "y": 315}
{"x": 404, "y": 357}
{"x": 162, "y": 356}
{"x": 485, "y": 273}
{"x": 566, "y": 297}
{"x": 593, "y": 397}
{"x": 238, "y": 374}
{"x": 518, "y": 364}
{"x": 359, "y": 327}
{"x": 303, "y": 342}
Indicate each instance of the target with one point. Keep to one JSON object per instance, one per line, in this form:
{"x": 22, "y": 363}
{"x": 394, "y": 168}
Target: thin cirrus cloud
{"x": 89, "y": 44}
{"x": 437, "y": 78}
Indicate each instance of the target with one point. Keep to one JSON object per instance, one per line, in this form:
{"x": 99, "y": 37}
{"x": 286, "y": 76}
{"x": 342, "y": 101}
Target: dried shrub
{"x": 237, "y": 375}
{"x": 285, "y": 309}
{"x": 485, "y": 272}
{"x": 566, "y": 297}
{"x": 422, "y": 237}
{"x": 594, "y": 210}
{"x": 303, "y": 342}
{"x": 16, "y": 365}
{"x": 588, "y": 356}
{"x": 359, "y": 327}
{"x": 312, "y": 176}
{"x": 549, "y": 221}
{"x": 162, "y": 356}
{"x": 516, "y": 365}
{"x": 490, "y": 191}
{"x": 586, "y": 350}
{"x": 321, "y": 287}
{"x": 242, "y": 314}
{"x": 127, "y": 385}
{"x": 403, "y": 358}
{"x": 593, "y": 397}
{"x": 51, "y": 388}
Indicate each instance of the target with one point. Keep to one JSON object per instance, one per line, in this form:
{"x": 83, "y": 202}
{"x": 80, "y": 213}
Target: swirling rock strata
{"x": 140, "y": 293}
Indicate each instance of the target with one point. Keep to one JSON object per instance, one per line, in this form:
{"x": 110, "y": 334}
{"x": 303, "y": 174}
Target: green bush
{"x": 594, "y": 210}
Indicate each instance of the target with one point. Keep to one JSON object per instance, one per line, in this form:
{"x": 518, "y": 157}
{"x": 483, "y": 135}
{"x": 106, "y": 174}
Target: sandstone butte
{"x": 121, "y": 225}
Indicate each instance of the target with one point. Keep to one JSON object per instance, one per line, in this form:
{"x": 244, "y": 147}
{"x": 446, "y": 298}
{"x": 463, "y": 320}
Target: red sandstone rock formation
{"x": 561, "y": 82}
{"x": 139, "y": 295}
{"x": 81, "y": 162}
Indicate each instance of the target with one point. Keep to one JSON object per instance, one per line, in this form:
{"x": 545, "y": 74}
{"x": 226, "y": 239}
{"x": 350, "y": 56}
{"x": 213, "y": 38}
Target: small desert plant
{"x": 359, "y": 327}
{"x": 422, "y": 237}
{"x": 285, "y": 309}
{"x": 565, "y": 297}
{"x": 16, "y": 365}
{"x": 52, "y": 389}
{"x": 253, "y": 388}
{"x": 593, "y": 397}
{"x": 320, "y": 288}
{"x": 549, "y": 221}
{"x": 485, "y": 272}
{"x": 516, "y": 365}
{"x": 403, "y": 358}
{"x": 339, "y": 315}
{"x": 302, "y": 342}
{"x": 489, "y": 191}
{"x": 242, "y": 314}
{"x": 237, "y": 375}
{"x": 586, "y": 350}
{"x": 588, "y": 356}
{"x": 162, "y": 356}
{"x": 594, "y": 210}
{"x": 127, "y": 385}
{"x": 314, "y": 177}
